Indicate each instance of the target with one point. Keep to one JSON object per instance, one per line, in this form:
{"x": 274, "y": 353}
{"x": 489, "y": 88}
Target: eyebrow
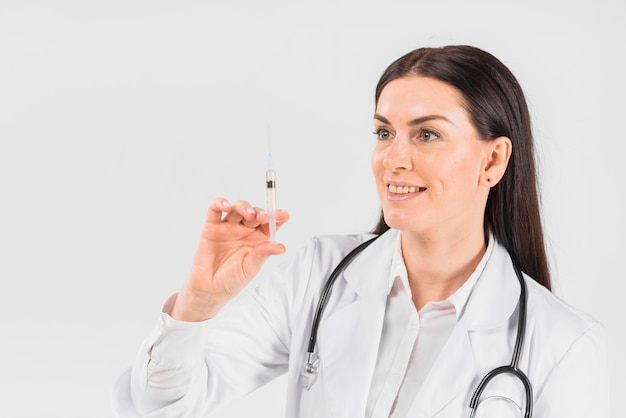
{"x": 414, "y": 121}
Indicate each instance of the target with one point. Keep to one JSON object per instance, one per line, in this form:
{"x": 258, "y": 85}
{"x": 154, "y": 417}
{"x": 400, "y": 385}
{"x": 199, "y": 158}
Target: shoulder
{"x": 549, "y": 317}
{"x": 323, "y": 253}
{"x": 317, "y": 256}
{"x": 553, "y": 310}
{"x": 555, "y": 323}
{"x": 338, "y": 244}
{"x": 331, "y": 249}
{"x": 554, "y": 327}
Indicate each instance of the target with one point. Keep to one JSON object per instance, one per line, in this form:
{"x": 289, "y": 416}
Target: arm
{"x": 186, "y": 368}
{"x": 192, "y": 359}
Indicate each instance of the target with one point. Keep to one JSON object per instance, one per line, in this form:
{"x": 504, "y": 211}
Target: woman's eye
{"x": 428, "y": 136}
{"x": 382, "y": 134}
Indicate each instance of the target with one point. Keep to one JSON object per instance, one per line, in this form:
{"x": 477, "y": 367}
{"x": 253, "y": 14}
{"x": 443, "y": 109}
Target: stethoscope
{"x": 311, "y": 366}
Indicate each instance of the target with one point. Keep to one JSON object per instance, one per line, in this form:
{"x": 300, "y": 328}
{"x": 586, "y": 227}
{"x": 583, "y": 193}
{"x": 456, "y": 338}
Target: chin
{"x": 400, "y": 222}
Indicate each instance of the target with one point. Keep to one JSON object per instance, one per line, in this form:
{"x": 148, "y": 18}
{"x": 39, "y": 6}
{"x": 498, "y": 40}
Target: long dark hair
{"x": 495, "y": 103}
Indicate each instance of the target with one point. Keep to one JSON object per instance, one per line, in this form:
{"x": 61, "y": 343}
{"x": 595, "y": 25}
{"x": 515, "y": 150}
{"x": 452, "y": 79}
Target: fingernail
{"x": 262, "y": 212}
{"x": 250, "y": 210}
{"x": 225, "y": 203}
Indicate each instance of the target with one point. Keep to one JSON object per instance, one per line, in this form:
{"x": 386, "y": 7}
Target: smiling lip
{"x": 402, "y": 191}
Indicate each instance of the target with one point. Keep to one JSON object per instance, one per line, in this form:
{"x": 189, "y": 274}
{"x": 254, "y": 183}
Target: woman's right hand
{"x": 233, "y": 246}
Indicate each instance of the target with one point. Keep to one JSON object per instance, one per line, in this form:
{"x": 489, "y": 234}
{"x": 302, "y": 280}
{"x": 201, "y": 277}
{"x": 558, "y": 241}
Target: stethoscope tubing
{"x": 312, "y": 362}
{"x": 512, "y": 368}
{"x": 328, "y": 287}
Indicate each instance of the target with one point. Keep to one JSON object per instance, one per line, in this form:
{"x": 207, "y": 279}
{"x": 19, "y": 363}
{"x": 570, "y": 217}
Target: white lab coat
{"x": 264, "y": 333}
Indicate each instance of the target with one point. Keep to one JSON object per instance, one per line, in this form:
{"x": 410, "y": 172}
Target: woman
{"x": 417, "y": 319}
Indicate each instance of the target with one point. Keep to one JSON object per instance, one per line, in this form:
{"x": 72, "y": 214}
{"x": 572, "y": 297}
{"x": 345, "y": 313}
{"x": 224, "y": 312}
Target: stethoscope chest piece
{"x": 310, "y": 370}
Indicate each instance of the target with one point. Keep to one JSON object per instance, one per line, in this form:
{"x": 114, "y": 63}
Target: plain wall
{"x": 121, "y": 120}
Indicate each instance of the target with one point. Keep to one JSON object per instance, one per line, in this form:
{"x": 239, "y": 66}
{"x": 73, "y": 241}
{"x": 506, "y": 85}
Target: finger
{"x": 241, "y": 210}
{"x": 259, "y": 217}
{"x": 255, "y": 221}
{"x": 264, "y": 224}
{"x": 216, "y": 209}
{"x": 282, "y": 216}
{"x": 263, "y": 216}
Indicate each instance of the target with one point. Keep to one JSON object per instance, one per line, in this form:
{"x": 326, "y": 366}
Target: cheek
{"x": 454, "y": 174}
{"x": 463, "y": 174}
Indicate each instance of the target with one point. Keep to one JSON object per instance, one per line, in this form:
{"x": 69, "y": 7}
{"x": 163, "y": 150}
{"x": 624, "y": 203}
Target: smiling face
{"x": 431, "y": 167}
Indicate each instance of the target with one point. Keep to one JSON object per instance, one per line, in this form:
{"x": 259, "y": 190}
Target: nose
{"x": 398, "y": 155}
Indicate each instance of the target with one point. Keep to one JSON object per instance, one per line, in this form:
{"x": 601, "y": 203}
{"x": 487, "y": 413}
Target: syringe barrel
{"x": 270, "y": 179}
{"x": 270, "y": 186}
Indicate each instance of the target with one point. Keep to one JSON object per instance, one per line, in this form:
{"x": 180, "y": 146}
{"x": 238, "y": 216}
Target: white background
{"x": 121, "y": 120}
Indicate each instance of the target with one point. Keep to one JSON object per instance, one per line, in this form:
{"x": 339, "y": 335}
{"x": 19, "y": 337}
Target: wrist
{"x": 193, "y": 306}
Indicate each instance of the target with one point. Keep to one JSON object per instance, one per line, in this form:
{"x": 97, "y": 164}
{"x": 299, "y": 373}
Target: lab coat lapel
{"x": 459, "y": 367}
{"x": 449, "y": 377}
{"x": 349, "y": 336}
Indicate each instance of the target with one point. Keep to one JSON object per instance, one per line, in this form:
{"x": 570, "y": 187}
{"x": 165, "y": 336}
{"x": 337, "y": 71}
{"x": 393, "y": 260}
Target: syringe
{"x": 270, "y": 186}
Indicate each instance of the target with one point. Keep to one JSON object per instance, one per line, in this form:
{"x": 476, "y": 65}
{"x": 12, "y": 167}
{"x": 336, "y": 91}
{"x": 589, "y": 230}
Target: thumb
{"x": 259, "y": 254}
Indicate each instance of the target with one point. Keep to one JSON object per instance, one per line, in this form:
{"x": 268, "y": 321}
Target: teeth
{"x": 401, "y": 189}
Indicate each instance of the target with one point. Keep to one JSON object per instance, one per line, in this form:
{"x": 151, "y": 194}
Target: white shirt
{"x": 412, "y": 340}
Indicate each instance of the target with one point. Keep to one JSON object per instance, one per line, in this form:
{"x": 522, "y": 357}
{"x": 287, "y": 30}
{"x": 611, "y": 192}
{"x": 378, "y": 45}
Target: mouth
{"x": 393, "y": 189}
{"x": 401, "y": 192}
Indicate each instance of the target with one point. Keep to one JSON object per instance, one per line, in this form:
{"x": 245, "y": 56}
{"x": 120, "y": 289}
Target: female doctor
{"x": 416, "y": 320}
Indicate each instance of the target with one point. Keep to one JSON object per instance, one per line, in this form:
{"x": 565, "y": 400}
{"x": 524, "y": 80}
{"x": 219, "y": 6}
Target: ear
{"x": 497, "y": 154}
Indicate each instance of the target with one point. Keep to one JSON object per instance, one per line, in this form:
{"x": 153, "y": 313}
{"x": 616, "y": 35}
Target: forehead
{"x": 416, "y": 96}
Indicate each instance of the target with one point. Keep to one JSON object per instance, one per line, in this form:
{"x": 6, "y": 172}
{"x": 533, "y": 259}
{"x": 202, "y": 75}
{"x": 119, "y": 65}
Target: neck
{"x": 438, "y": 265}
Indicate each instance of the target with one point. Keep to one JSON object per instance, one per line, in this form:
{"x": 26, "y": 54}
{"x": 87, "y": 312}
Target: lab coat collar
{"x": 496, "y": 293}
{"x": 369, "y": 272}
{"x": 461, "y": 296}
{"x": 493, "y": 297}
